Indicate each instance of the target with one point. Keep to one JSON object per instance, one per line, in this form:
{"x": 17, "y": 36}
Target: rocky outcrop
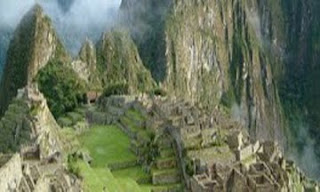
{"x": 29, "y": 122}
{"x": 214, "y": 55}
{"x": 118, "y": 62}
{"x": 34, "y": 176}
{"x": 34, "y": 44}
{"x": 85, "y": 64}
{"x": 258, "y": 58}
{"x": 45, "y": 129}
{"x": 10, "y": 172}
{"x": 146, "y": 21}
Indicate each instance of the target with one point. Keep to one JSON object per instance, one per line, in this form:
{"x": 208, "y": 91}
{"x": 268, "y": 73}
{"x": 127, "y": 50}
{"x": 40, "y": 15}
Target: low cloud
{"x": 84, "y": 18}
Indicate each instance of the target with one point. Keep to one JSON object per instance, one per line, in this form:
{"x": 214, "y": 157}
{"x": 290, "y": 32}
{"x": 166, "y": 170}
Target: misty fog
{"x": 84, "y": 18}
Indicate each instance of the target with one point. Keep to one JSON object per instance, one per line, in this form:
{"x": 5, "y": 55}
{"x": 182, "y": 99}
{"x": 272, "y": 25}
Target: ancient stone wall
{"x": 10, "y": 174}
{"x": 244, "y": 153}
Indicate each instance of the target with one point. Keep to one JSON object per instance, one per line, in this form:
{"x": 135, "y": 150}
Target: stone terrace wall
{"x": 11, "y": 174}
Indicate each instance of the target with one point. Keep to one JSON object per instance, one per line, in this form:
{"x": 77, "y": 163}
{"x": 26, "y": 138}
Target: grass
{"x": 135, "y": 114}
{"x": 107, "y": 145}
{"x": 157, "y": 172}
{"x": 132, "y": 172}
{"x": 101, "y": 179}
{"x": 168, "y": 152}
{"x": 97, "y": 179}
{"x": 69, "y": 139}
{"x": 134, "y": 128}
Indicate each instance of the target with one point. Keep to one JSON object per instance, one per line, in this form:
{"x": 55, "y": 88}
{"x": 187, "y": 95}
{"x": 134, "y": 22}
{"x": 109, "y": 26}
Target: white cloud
{"x": 85, "y": 18}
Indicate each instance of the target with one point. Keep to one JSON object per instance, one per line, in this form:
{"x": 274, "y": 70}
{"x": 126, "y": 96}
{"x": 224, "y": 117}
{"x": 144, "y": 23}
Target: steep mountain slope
{"x": 260, "y": 59}
{"x": 86, "y": 63}
{"x": 118, "y": 62}
{"x": 34, "y": 44}
{"x": 257, "y": 59}
{"x": 28, "y": 122}
{"x": 299, "y": 85}
{"x": 114, "y": 61}
{"x": 214, "y": 55}
{"x": 146, "y": 20}
{"x": 5, "y": 33}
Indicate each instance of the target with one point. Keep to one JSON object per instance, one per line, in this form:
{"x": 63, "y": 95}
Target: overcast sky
{"x": 85, "y": 18}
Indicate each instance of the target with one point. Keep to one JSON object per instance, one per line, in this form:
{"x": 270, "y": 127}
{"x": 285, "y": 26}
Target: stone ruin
{"x": 10, "y": 172}
{"x": 17, "y": 174}
{"x": 44, "y": 128}
{"x": 33, "y": 168}
{"x": 244, "y": 165}
{"x": 110, "y": 109}
{"x": 31, "y": 152}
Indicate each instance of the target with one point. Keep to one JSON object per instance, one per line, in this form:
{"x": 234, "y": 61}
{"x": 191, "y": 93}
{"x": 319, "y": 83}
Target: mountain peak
{"x": 34, "y": 43}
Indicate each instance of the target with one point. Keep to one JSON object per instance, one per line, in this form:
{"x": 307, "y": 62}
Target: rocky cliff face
{"x": 146, "y": 20}
{"x": 33, "y": 45}
{"x": 118, "y": 61}
{"x": 299, "y": 88}
{"x": 45, "y": 130}
{"x": 29, "y": 122}
{"x": 214, "y": 55}
{"x": 86, "y": 63}
{"x": 257, "y": 58}
{"x": 5, "y": 34}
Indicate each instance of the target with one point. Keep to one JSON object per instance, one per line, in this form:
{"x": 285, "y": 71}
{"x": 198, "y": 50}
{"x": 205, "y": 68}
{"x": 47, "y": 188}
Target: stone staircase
{"x": 166, "y": 173}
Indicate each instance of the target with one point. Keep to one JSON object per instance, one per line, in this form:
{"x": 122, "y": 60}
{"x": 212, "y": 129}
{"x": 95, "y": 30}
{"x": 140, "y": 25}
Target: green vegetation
{"x": 65, "y": 122}
{"x": 119, "y": 63}
{"x": 151, "y": 42}
{"x": 99, "y": 179}
{"x": 228, "y": 98}
{"x": 24, "y": 53}
{"x": 69, "y": 140}
{"x": 62, "y": 87}
{"x": 70, "y": 119}
{"x": 116, "y": 89}
{"x": 108, "y": 145}
{"x": 72, "y": 166}
{"x": 18, "y": 57}
{"x": 135, "y": 114}
{"x": 136, "y": 173}
{"x": 139, "y": 131}
{"x": 15, "y": 127}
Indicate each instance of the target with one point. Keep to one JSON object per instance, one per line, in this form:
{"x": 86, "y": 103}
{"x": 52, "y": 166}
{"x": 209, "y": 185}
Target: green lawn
{"x": 133, "y": 172}
{"x": 99, "y": 179}
{"x": 107, "y": 144}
